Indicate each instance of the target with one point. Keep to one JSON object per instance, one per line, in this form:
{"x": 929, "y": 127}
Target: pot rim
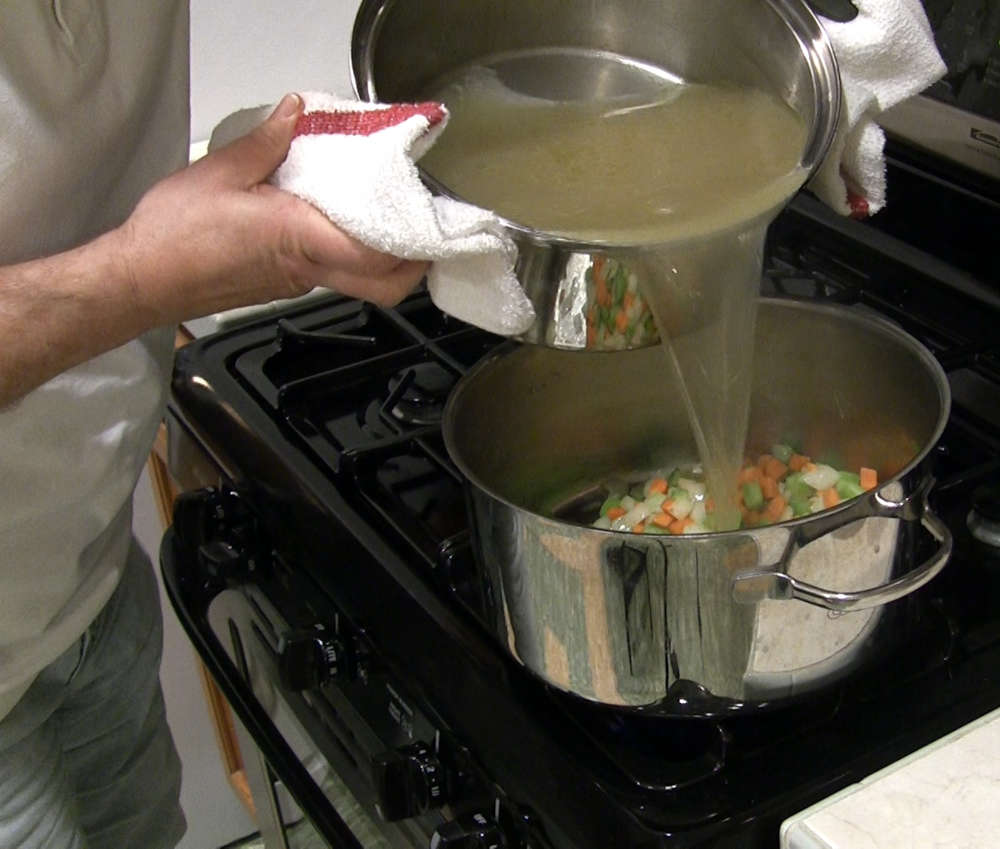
{"x": 876, "y": 323}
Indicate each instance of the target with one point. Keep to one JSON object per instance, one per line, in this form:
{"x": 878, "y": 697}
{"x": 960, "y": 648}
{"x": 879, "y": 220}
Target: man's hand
{"x": 210, "y": 237}
{"x": 216, "y": 235}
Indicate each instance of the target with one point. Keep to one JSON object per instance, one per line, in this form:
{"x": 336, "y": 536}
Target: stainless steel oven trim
{"x": 266, "y": 739}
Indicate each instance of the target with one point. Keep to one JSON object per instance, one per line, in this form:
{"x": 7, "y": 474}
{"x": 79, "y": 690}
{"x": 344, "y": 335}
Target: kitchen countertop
{"x": 946, "y": 796}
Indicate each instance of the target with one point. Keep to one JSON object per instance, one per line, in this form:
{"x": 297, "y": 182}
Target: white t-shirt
{"x": 94, "y": 108}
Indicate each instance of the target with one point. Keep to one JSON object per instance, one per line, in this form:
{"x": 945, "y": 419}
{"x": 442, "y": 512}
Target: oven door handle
{"x": 190, "y": 599}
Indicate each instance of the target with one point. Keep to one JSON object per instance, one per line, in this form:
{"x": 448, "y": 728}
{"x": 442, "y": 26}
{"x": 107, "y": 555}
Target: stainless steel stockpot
{"x": 701, "y": 623}
{"x": 585, "y": 50}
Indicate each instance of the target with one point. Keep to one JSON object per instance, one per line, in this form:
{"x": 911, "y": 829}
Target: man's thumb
{"x": 253, "y": 157}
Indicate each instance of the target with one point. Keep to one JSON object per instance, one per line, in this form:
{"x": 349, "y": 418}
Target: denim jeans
{"x": 86, "y": 756}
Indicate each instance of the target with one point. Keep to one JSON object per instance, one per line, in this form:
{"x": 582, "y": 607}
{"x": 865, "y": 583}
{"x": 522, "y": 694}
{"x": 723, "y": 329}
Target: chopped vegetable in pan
{"x": 618, "y": 317}
{"x": 779, "y": 486}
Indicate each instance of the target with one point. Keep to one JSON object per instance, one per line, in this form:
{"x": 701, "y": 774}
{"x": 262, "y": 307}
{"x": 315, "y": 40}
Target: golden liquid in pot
{"x": 684, "y": 177}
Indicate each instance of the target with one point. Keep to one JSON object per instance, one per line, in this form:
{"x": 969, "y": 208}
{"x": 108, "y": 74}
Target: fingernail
{"x": 289, "y": 106}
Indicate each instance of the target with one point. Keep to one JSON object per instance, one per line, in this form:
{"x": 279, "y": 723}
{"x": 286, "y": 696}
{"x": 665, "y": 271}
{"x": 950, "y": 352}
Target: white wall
{"x": 252, "y": 52}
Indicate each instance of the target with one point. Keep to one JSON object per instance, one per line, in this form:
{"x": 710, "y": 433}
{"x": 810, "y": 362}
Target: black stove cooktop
{"x": 325, "y": 421}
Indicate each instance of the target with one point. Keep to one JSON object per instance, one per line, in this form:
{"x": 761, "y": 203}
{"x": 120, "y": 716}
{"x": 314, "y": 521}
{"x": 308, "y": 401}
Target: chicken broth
{"x": 672, "y": 161}
{"x": 678, "y": 183}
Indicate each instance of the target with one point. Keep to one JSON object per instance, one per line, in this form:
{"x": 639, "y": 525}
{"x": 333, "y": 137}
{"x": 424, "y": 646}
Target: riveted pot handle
{"x": 757, "y": 586}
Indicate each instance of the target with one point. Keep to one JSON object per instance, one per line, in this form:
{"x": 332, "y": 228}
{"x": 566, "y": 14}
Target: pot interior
{"x": 538, "y": 427}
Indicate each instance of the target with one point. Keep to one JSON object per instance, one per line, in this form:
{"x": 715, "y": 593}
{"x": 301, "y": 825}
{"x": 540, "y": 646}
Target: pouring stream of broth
{"x": 684, "y": 177}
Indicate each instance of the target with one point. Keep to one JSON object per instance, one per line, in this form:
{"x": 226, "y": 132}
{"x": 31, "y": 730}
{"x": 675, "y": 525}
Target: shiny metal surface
{"x": 724, "y": 619}
{"x": 582, "y": 50}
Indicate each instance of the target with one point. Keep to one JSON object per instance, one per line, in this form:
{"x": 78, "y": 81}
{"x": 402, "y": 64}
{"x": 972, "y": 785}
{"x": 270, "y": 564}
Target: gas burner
{"x": 417, "y": 394}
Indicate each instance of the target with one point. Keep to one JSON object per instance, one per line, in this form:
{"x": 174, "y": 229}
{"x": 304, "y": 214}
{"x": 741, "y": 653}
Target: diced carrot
{"x": 797, "y": 462}
{"x": 809, "y": 467}
{"x": 667, "y": 505}
{"x": 748, "y": 474}
{"x": 603, "y": 295}
{"x": 709, "y": 505}
{"x": 658, "y": 485}
{"x": 678, "y": 525}
{"x": 662, "y": 520}
{"x": 773, "y": 467}
{"x": 616, "y": 513}
{"x": 868, "y": 478}
{"x": 768, "y": 485}
{"x": 621, "y": 321}
{"x": 628, "y": 299}
{"x": 638, "y": 527}
{"x": 830, "y": 497}
{"x": 774, "y": 509}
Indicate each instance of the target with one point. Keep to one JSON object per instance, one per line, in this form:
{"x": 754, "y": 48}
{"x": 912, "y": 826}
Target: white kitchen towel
{"x": 356, "y": 162}
{"x": 886, "y": 54}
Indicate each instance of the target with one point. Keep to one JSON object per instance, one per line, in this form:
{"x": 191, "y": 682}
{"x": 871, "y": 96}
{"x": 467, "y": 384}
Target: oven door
{"x": 304, "y": 794}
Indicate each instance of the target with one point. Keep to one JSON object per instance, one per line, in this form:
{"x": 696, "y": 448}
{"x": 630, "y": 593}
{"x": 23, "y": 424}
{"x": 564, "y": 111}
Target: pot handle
{"x": 759, "y": 585}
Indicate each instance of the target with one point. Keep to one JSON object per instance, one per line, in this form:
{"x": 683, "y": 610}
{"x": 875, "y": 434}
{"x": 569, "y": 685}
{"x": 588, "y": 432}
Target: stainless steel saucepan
{"x": 580, "y": 50}
{"x": 714, "y": 622}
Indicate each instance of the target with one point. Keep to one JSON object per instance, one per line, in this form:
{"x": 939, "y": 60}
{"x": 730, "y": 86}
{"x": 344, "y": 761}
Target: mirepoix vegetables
{"x": 779, "y": 485}
{"x": 618, "y": 317}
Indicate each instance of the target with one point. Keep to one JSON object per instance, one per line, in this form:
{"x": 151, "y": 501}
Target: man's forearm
{"x": 59, "y": 311}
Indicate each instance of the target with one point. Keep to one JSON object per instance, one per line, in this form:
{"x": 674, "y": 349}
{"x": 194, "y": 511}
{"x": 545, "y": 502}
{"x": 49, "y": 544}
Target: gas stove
{"x": 320, "y": 561}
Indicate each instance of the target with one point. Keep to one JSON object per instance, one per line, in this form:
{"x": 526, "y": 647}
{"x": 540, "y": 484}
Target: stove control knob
{"x": 409, "y": 781}
{"x": 309, "y": 658}
{"x": 220, "y": 534}
{"x": 471, "y": 831}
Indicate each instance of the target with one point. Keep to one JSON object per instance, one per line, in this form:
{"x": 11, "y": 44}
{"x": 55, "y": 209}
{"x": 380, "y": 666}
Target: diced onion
{"x": 822, "y": 477}
{"x": 631, "y": 518}
{"x": 681, "y": 506}
{"x": 696, "y": 488}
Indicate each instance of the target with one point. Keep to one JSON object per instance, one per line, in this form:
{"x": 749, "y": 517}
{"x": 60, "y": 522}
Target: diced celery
{"x": 620, "y": 283}
{"x": 753, "y": 496}
{"x": 610, "y": 502}
{"x": 848, "y": 485}
{"x": 800, "y": 506}
{"x": 797, "y": 489}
